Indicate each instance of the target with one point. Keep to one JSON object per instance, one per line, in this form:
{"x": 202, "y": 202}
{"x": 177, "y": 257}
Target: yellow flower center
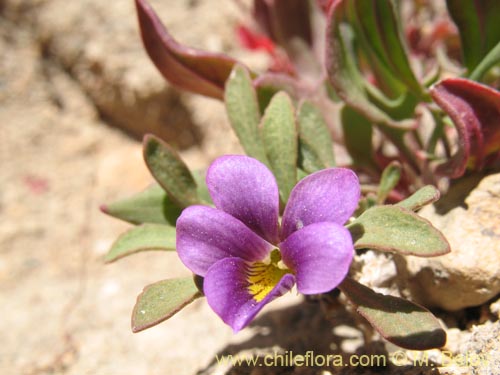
{"x": 264, "y": 276}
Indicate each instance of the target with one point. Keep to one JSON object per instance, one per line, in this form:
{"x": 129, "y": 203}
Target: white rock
{"x": 470, "y": 274}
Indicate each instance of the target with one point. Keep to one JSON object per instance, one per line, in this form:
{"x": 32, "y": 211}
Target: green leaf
{"x": 142, "y": 238}
{"x": 425, "y": 195}
{"x": 301, "y": 174}
{"x": 388, "y": 181}
{"x": 243, "y": 112}
{"x": 152, "y": 205}
{"x": 344, "y": 73}
{"x": 203, "y": 193}
{"x": 358, "y": 133}
{"x": 161, "y": 300}
{"x": 490, "y": 60}
{"x": 170, "y": 171}
{"x": 269, "y": 84}
{"x": 478, "y": 25}
{"x": 399, "y": 108}
{"x": 380, "y": 29}
{"x": 396, "y": 229}
{"x": 279, "y": 133}
{"x": 315, "y": 143}
{"x": 399, "y": 321}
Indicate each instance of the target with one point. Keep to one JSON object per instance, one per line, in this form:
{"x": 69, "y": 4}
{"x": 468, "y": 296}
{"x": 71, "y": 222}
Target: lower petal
{"x": 236, "y": 293}
{"x": 206, "y": 235}
{"x": 320, "y": 255}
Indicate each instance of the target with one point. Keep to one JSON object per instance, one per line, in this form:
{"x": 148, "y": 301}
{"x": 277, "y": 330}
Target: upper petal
{"x": 205, "y": 235}
{"x": 245, "y": 188}
{"x": 227, "y": 288}
{"x": 328, "y": 195}
{"x": 320, "y": 256}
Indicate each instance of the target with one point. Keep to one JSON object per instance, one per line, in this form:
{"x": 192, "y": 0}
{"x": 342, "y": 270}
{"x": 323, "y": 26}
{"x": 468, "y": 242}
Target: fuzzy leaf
{"x": 388, "y": 181}
{"x": 358, "y": 131}
{"x": 152, "y": 205}
{"x": 344, "y": 73}
{"x": 193, "y": 70}
{"x": 243, "y": 112}
{"x": 478, "y": 25}
{"x": 475, "y": 111}
{"x": 269, "y": 84}
{"x": 142, "y": 238}
{"x": 315, "y": 143}
{"x": 396, "y": 229}
{"x": 161, "y": 300}
{"x": 170, "y": 171}
{"x": 279, "y": 133}
{"x": 423, "y": 196}
{"x": 399, "y": 321}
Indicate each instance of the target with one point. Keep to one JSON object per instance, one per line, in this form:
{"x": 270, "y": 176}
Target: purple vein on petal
{"x": 320, "y": 256}
{"x": 206, "y": 235}
{"x": 244, "y": 188}
{"x": 226, "y": 287}
{"x": 329, "y": 195}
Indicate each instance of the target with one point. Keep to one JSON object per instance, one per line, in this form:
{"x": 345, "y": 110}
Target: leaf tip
{"x": 136, "y": 329}
{"x": 134, "y": 321}
{"x": 147, "y": 138}
{"x": 149, "y": 143}
{"x": 108, "y": 258}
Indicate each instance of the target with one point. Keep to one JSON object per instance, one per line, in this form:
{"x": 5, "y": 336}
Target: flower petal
{"x": 328, "y": 195}
{"x": 227, "y": 288}
{"x": 245, "y": 188}
{"x": 206, "y": 235}
{"x": 319, "y": 255}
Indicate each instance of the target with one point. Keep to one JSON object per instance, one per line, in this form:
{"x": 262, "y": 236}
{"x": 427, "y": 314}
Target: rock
{"x": 495, "y": 308}
{"x": 483, "y": 349}
{"x": 377, "y": 271}
{"x": 469, "y": 275}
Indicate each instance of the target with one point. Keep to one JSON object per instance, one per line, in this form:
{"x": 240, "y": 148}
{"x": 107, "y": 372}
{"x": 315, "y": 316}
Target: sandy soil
{"x": 63, "y": 152}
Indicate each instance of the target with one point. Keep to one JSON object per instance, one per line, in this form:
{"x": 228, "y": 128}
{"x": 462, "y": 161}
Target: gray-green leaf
{"x": 358, "y": 133}
{"x": 170, "y": 171}
{"x": 388, "y": 181}
{"x": 315, "y": 143}
{"x": 423, "y": 196}
{"x": 161, "y": 300}
{"x": 396, "y": 229}
{"x": 399, "y": 321}
{"x": 243, "y": 112}
{"x": 142, "y": 238}
{"x": 279, "y": 133}
{"x": 203, "y": 193}
{"x": 152, "y": 205}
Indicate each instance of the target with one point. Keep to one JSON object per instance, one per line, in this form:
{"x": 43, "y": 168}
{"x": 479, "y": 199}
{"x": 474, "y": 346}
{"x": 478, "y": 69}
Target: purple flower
{"x": 246, "y": 257}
